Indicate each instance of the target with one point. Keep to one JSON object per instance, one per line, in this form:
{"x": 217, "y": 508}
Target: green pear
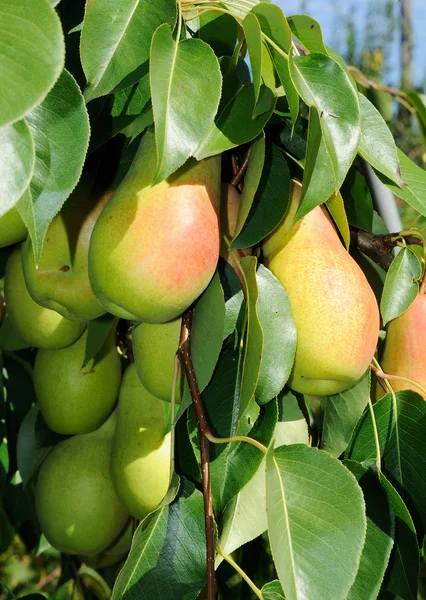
{"x": 74, "y": 400}
{"x": 404, "y": 353}
{"x": 12, "y": 228}
{"x": 334, "y": 308}
{"x": 155, "y": 248}
{"x": 60, "y": 281}
{"x": 38, "y": 326}
{"x": 140, "y": 459}
{"x": 116, "y": 552}
{"x": 154, "y": 349}
{"x": 76, "y": 504}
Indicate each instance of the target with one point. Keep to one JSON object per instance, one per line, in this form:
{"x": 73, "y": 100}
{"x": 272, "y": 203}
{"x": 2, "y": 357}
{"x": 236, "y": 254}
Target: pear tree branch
{"x": 379, "y": 247}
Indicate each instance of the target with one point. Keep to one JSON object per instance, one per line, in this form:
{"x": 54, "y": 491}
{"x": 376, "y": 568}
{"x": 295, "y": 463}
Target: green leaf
{"x": 336, "y": 208}
{"x": 279, "y": 336}
{"x": 17, "y": 158}
{"x": 251, "y": 182}
{"x": 379, "y": 537}
{"x": 32, "y": 55}
{"x": 401, "y": 285}
{"x": 234, "y": 124}
{"x": 206, "y": 336}
{"x": 274, "y": 25}
{"x": 291, "y": 427}
{"x": 321, "y": 82}
{"x": 60, "y": 129}
{"x": 270, "y": 200}
{"x": 318, "y": 181}
{"x": 185, "y": 88}
{"x": 273, "y": 591}
{"x": 116, "y": 39}
{"x": 97, "y": 332}
{"x": 358, "y": 202}
{"x": 419, "y": 103}
{"x": 253, "y": 343}
{"x": 168, "y": 556}
{"x": 376, "y": 144}
{"x": 308, "y": 32}
{"x": 10, "y": 338}
{"x": 253, "y": 35}
{"x": 402, "y": 436}
{"x": 314, "y": 507}
{"x": 403, "y": 571}
{"x": 35, "y": 441}
{"x": 414, "y": 178}
{"x": 234, "y": 296}
{"x": 220, "y": 31}
{"x": 341, "y": 414}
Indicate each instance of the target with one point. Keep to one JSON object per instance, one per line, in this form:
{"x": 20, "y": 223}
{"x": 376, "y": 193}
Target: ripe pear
{"x": 61, "y": 280}
{"x": 154, "y": 249}
{"x": 154, "y": 349}
{"x": 74, "y": 400}
{"x": 38, "y": 326}
{"x": 140, "y": 459}
{"x": 12, "y": 228}
{"x": 334, "y": 308}
{"x": 405, "y": 348}
{"x": 76, "y": 504}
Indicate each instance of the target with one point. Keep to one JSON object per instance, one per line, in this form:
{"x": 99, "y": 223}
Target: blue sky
{"x": 324, "y": 11}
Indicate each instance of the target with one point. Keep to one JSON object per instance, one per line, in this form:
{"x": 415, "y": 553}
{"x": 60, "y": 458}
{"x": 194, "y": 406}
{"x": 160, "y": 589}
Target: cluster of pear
{"x": 145, "y": 253}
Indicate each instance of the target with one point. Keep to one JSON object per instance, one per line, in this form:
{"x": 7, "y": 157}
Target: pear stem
{"x": 236, "y": 438}
{"x": 241, "y": 171}
{"x": 184, "y": 356}
{"x": 239, "y": 570}
{"x": 388, "y": 377}
{"x": 376, "y": 438}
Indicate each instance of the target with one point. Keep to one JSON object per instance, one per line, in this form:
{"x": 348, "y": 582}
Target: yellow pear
{"x": 155, "y": 249}
{"x": 74, "y": 400}
{"x": 12, "y": 228}
{"x": 38, "y": 326}
{"x": 405, "y": 348}
{"x": 76, "y": 504}
{"x": 154, "y": 349}
{"x": 334, "y": 308}
{"x": 140, "y": 459}
{"x": 60, "y": 281}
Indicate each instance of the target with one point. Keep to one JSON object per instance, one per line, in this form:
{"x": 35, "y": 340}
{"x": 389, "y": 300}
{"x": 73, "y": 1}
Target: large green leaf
{"x": 402, "y": 436}
{"x": 403, "y": 572}
{"x": 321, "y": 82}
{"x": 279, "y": 335}
{"x": 220, "y": 31}
{"x": 116, "y": 39}
{"x": 308, "y": 31}
{"x": 379, "y": 537}
{"x": 270, "y": 200}
{"x": 401, "y": 285}
{"x": 32, "y": 55}
{"x": 168, "y": 556}
{"x": 419, "y": 102}
{"x": 17, "y": 158}
{"x": 414, "y": 178}
{"x": 60, "y": 129}
{"x": 316, "y": 517}
{"x": 376, "y": 144}
{"x": 341, "y": 414}
{"x": 253, "y": 35}
{"x": 185, "y": 88}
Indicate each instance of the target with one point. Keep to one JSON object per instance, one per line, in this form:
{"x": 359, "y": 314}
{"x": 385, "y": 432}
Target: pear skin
{"x": 140, "y": 459}
{"x": 61, "y": 280}
{"x": 12, "y": 228}
{"x": 154, "y": 349}
{"x": 76, "y": 504}
{"x": 155, "y": 249}
{"x": 74, "y": 400}
{"x": 405, "y": 348}
{"x": 334, "y": 308}
{"x": 38, "y": 326}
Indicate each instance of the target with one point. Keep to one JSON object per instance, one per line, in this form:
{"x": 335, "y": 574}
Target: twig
{"x": 48, "y": 578}
{"x": 203, "y": 427}
{"x": 379, "y": 247}
{"x": 240, "y": 174}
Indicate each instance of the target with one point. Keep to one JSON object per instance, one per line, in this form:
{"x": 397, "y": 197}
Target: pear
{"x": 115, "y": 553}
{"x": 405, "y": 348}
{"x": 154, "y": 249}
{"x": 38, "y": 326}
{"x": 76, "y": 504}
{"x": 74, "y": 400}
{"x": 334, "y": 308}
{"x": 12, "y": 228}
{"x": 140, "y": 459}
{"x": 60, "y": 281}
{"x": 154, "y": 349}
